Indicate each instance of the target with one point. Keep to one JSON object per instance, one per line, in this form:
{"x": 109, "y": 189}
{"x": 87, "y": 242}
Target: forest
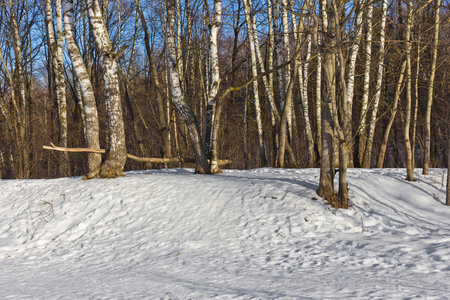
{"x": 124, "y": 85}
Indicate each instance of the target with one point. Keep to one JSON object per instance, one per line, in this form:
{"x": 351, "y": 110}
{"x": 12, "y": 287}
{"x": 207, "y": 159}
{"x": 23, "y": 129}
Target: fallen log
{"x": 131, "y": 156}
{"x": 160, "y": 160}
{"x": 65, "y": 149}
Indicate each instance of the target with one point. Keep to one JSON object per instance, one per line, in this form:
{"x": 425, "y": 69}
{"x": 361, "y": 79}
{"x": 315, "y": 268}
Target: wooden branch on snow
{"x": 131, "y": 156}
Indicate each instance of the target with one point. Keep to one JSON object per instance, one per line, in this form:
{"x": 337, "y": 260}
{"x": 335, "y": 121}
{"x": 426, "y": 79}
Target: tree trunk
{"x": 90, "y": 107}
{"x": 308, "y": 131}
{"x": 64, "y": 168}
{"x": 58, "y": 69}
{"x": 113, "y": 166}
{"x": 326, "y": 180}
{"x": 447, "y": 198}
{"x": 427, "y": 136}
{"x": 303, "y": 78}
{"x": 164, "y": 128}
{"x": 262, "y": 147}
{"x": 372, "y": 123}
{"x": 365, "y": 98}
{"x": 409, "y": 167}
{"x": 19, "y": 99}
{"x": 416, "y": 100}
{"x": 283, "y": 139}
{"x": 278, "y": 45}
{"x": 211, "y": 125}
{"x": 351, "y": 81}
{"x": 318, "y": 102}
{"x": 382, "y": 152}
{"x": 178, "y": 96}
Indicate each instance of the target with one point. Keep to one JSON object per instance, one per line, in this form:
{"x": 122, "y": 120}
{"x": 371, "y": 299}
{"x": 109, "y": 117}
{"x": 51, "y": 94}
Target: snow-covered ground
{"x": 258, "y": 234}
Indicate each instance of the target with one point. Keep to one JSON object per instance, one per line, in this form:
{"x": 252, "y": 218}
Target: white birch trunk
{"x": 287, "y": 56}
{"x": 376, "y": 101}
{"x": 365, "y": 98}
{"x": 177, "y": 94}
{"x": 318, "y": 99}
{"x": 303, "y": 80}
{"x": 19, "y": 100}
{"x": 416, "y": 100}
{"x": 278, "y": 45}
{"x": 351, "y": 81}
{"x": 116, "y": 159}
{"x": 304, "y": 84}
{"x": 262, "y": 148}
{"x": 212, "y": 122}
{"x": 267, "y": 80}
{"x": 58, "y": 69}
{"x": 287, "y": 50}
{"x": 61, "y": 90}
{"x": 384, "y": 142}
{"x": 179, "y": 50}
{"x": 409, "y": 24}
{"x": 447, "y": 192}
{"x": 427, "y": 137}
{"x": 163, "y": 118}
{"x": 275, "y": 116}
{"x": 89, "y": 106}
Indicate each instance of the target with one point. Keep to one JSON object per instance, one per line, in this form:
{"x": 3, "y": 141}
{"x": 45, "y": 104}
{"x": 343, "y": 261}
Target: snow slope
{"x": 258, "y": 234}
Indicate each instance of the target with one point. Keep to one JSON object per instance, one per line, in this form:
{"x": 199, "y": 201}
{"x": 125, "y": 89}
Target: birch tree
{"x": 213, "y": 114}
{"x": 177, "y": 94}
{"x": 379, "y": 81}
{"x": 427, "y": 133}
{"x": 58, "y": 69}
{"x": 113, "y": 166}
{"x": 447, "y": 195}
{"x": 394, "y": 108}
{"x": 351, "y": 79}
{"x": 318, "y": 98}
{"x": 164, "y": 128}
{"x": 303, "y": 79}
{"x": 18, "y": 94}
{"x": 268, "y": 80}
{"x": 251, "y": 41}
{"x": 334, "y": 114}
{"x": 409, "y": 24}
{"x": 91, "y": 123}
{"x": 326, "y": 179}
{"x": 366, "y": 88}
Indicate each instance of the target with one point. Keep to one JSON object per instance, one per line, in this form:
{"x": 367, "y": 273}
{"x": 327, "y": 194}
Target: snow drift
{"x": 258, "y": 234}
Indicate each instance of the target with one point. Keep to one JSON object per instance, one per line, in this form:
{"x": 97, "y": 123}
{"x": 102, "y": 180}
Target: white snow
{"x": 257, "y": 234}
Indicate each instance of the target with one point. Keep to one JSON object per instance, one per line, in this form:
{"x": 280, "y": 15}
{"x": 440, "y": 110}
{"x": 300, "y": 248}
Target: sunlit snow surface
{"x": 257, "y": 234}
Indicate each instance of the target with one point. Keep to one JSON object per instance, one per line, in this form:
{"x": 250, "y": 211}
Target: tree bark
{"x": 416, "y": 100}
{"x": 382, "y": 152}
{"x": 380, "y": 74}
{"x": 113, "y": 166}
{"x": 409, "y": 24}
{"x": 326, "y": 179}
{"x": 212, "y": 113}
{"x": 366, "y": 89}
{"x": 90, "y": 108}
{"x": 351, "y": 80}
{"x": 447, "y": 195}
{"x": 164, "y": 128}
{"x": 262, "y": 147}
{"x": 20, "y": 99}
{"x": 427, "y": 135}
{"x": 303, "y": 79}
{"x": 178, "y": 96}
